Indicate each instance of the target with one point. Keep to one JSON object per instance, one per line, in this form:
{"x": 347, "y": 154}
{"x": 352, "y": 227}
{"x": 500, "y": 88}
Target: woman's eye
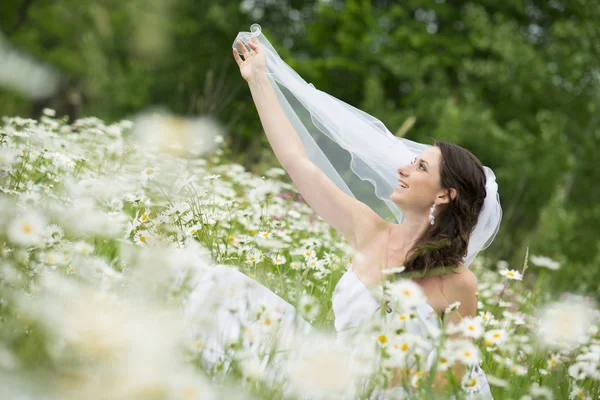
{"x": 421, "y": 166}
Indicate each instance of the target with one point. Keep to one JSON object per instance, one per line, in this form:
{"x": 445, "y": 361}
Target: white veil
{"x": 354, "y": 149}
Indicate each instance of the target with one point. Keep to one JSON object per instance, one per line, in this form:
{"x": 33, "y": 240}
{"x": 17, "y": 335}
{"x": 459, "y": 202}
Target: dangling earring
{"x": 431, "y": 217}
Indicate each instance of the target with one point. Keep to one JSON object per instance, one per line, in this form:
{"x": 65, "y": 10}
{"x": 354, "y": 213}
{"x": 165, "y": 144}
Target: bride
{"x": 445, "y": 199}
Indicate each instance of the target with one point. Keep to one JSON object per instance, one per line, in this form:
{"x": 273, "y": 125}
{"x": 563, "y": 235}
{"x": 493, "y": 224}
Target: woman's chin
{"x": 397, "y": 198}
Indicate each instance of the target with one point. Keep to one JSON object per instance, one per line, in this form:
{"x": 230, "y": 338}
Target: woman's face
{"x": 419, "y": 182}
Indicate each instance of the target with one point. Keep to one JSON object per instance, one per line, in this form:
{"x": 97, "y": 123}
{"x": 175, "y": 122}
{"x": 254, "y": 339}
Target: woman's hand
{"x": 254, "y": 64}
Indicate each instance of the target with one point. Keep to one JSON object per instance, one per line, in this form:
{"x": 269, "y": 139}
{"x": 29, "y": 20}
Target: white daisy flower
{"x": 295, "y": 265}
{"x": 142, "y": 238}
{"x": 465, "y": 351}
{"x": 545, "y": 262}
{"x": 145, "y": 217}
{"x": 518, "y": 370}
{"x": 254, "y": 256}
{"x": 192, "y": 230}
{"x": 49, "y": 112}
{"x": 451, "y": 307}
{"x": 538, "y": 391}
{"x": 83, "y": 248}
{"x": 486, "y": 317}
{"x": 405, "y": 293}
{"x": 7, "y": 156}
{"x": 149, "y": 173}
{"x": 493, "y": 381}
{"x": 470, "y": 382}
{"x": 53, "y": 258}
{"x": 578, "y": 393}
{"x": 211, "y": 178}
{"x": 495, "y": 337}
{"x": 53, "y": 233}
{"x": 278, "y": 259}
{"x": 565, "y": 323}
{"x": 471, "y": 327}
{"x": 264, "y": 235}
{"x": 511, "y": 274}
{"x": 27, "y": 229}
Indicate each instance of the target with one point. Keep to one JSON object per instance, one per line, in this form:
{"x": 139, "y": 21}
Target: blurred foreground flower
{"x": 544, "y": 262}
{"x": 176, "y": 135}
{"x": 24, "y": 75}
{"x": 565, "y": 324}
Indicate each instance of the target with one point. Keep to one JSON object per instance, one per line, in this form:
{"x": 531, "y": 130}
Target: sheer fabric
{"x": 354, "y": 149}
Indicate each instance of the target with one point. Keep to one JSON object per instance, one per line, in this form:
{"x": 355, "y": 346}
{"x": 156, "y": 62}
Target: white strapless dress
{"x": 238, "y": 297}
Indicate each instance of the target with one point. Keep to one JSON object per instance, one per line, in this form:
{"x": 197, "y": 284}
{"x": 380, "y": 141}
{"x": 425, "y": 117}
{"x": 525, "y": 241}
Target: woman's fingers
{"x": 237, "y": 57}
{"x": 255, "y": 45}
{"x": 243, "y": 49}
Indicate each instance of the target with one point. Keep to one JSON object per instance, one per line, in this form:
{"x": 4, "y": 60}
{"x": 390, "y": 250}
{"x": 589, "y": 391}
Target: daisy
{"x": 544, "y": 262}
{"x": 295, "y": 265}
{"x": 53, "y": 233}
{"x": 211, "y": 178}
{"x": 82, "y": 247}
{"x": 511, "y": 274}
{"x": 149, "y": 173}
{"x": 494, "y": 337}
{"x": 144, "y": 217}
{"x": 471, "y": 327}
{"x": 470, "y": 382}
{"x": 192, "y": 230}
{"x": 465, "y": 351}
{"x": 452, "y": 307}
{"x": 578, "y": 393}
{"x": 278, "y": 259}
{"x": 565, "y": 323}
{"x": 27, "y": 228}
{"x": 264, "y": 235}
{"x": 141, "y": 238}
{"x": 486, "y": 317}
{"x": 406, "y": 293}
{"x": 254, "y": 256}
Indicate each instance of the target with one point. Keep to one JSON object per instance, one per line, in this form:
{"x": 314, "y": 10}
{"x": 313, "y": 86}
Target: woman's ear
{"x": 447, "y": 196}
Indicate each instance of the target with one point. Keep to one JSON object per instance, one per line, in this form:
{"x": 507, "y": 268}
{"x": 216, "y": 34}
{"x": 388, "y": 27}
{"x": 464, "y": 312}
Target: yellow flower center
{"x": 143, "y": 239}
{"x": 471, "y": 383}
{"x": 382, "y": 339}
{"x": 407, "y": 292}
{"x": 144, "y": 217}
{"x": 149, "y": 171}
{"x": 268, "y": 321}
{"x": 510, "y": 273}
{"x": 404, "y": 347}
{"x": 27, "y": 228}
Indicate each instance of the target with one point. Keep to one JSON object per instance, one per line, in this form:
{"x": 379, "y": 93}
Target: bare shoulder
{"x": 464, "y": 280}
{"x": 368, "y": 227}
{"x": 463, "y": 289}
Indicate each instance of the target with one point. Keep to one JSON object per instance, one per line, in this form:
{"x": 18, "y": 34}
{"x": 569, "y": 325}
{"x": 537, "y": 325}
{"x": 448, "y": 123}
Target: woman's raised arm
{"x": 338, "y": 209}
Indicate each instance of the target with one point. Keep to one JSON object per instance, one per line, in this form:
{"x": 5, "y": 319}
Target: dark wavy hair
{"x": 444, "y": 244}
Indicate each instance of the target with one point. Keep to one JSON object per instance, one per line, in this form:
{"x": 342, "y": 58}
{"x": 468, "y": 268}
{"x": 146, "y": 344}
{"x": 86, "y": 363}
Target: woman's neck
{"x": 402, "y": 237}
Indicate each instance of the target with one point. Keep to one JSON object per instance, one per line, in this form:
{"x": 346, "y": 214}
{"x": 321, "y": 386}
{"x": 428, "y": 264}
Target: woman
{"x": 439, "y": 196}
